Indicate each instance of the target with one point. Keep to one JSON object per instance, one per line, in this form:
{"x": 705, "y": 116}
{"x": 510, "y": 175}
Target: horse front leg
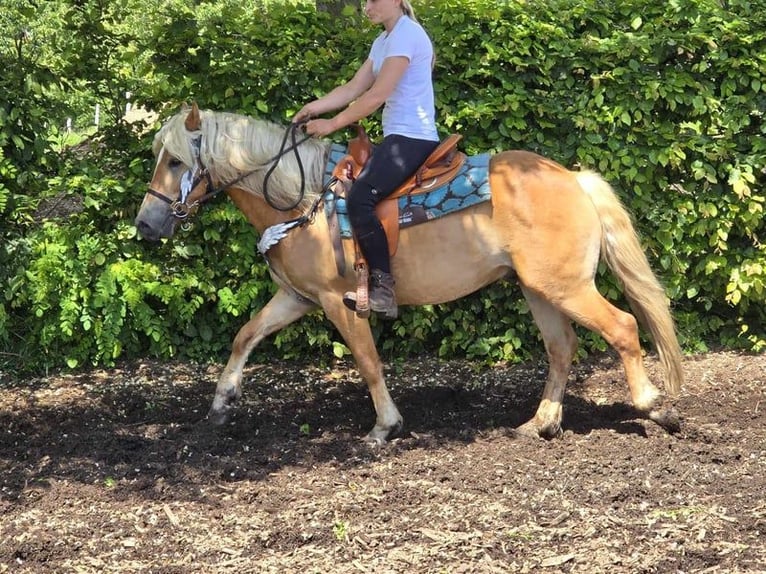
{"x": 358, "y": 336}
{"x": 279, "y": 312}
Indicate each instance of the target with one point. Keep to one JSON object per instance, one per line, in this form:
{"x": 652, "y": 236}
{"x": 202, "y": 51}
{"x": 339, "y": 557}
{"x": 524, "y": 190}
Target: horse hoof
{"x": 534, "y": 430}
{"x": 374, "y": 441}
{"x": 669, "y": 419}
{"x": 218, "y": 417}
{"x": 528, "y": 430}
{"x": 380, "y": 434}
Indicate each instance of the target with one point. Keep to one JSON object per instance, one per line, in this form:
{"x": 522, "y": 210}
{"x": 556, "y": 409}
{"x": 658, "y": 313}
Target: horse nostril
{"x": 145, "y": 230}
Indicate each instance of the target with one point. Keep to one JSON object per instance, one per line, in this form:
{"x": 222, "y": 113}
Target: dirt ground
{"x": 116, "y": 471}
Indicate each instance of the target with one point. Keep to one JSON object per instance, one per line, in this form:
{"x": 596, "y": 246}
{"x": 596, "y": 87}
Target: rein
{"x": 294, "y": 147}
{"x": 182, "y": 210}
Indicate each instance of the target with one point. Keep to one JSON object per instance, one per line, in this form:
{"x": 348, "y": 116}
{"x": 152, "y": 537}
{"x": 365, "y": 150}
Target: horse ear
{"x": 193, "y": 121}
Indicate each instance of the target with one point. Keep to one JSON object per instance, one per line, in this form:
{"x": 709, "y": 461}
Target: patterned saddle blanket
{"x": 469, "y": 187}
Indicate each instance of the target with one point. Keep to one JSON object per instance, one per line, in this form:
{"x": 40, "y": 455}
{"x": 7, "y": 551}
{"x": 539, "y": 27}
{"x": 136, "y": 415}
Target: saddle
{"x": 439, "y": 168}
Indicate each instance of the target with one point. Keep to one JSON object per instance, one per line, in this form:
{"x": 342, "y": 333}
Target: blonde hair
{"x": 407, "y": 9}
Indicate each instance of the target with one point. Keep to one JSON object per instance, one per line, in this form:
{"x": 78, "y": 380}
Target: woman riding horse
{"x": 397, "y": 72}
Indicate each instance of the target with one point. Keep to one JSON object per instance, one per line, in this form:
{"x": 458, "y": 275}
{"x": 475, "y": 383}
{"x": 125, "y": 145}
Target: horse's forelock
{"x": 175, "y": 138}
{"x": 157, "y": 143}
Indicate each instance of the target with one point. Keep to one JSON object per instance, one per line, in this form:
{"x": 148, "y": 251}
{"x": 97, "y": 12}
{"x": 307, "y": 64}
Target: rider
{"x": 397, "y": 72}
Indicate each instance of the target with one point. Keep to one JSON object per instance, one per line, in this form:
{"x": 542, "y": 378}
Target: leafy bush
{"x": 665, "y": 100}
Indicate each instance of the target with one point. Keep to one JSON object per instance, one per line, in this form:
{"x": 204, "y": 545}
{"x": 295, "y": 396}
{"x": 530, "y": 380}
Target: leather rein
{"x": 190, "y": 180}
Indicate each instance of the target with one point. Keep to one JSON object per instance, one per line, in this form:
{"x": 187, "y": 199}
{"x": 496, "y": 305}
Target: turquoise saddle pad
{"x": 470, "y": 186}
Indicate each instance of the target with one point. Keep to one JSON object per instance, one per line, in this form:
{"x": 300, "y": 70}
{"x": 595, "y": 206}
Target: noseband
{"x": 192, "y": 178}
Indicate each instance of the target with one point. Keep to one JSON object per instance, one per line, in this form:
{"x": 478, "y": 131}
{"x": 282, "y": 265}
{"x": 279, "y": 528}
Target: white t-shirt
{"x": 409, "y": 110}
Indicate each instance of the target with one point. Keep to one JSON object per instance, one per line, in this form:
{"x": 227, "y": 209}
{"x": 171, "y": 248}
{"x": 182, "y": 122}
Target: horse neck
{"x": 257, "y": 211}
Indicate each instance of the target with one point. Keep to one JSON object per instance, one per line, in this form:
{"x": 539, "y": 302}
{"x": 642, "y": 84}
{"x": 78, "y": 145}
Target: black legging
{"x": 392, "y": 162}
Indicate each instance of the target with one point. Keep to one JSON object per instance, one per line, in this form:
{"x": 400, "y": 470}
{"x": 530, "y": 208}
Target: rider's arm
{"x": 391, "y": 72}
{"x": 340, "y": 96}
{"x": 371, "y": 98}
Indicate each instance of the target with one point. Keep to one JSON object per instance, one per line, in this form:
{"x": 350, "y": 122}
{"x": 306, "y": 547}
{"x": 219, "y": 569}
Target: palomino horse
{"x": 544, "y": 224}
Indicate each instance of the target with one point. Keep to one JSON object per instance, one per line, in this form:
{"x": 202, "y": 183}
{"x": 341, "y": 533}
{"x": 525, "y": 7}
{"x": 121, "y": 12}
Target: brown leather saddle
{"x": 441, "y": 167}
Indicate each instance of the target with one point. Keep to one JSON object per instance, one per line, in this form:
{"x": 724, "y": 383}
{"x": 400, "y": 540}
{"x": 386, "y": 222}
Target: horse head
{"x": 180, "y": 181}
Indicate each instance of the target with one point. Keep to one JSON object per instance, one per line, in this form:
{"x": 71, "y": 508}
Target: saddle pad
{"x": 470, "y": 186}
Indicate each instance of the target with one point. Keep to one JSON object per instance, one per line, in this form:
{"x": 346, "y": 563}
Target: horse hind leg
{"x": 560, "y": 344}
{"x": 280, "y": 311}
{"x": 620, "y": 329}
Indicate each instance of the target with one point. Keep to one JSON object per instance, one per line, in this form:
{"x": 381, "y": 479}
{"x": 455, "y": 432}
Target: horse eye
{"x": 173, "y": 163}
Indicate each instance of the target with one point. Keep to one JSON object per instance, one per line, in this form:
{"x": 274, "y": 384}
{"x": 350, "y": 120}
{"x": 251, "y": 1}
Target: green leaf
{"x": 340, "y": 350}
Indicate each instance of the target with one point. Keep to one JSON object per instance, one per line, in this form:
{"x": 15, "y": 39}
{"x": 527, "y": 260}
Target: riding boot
{"x": 382, "y": 297}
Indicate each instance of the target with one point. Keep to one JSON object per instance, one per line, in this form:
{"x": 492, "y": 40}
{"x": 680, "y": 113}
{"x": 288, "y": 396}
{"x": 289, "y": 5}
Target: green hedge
{"x": 665, "y": 100}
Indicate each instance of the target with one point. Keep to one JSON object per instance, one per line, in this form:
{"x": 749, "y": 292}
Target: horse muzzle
{"x": 155, "y": 224}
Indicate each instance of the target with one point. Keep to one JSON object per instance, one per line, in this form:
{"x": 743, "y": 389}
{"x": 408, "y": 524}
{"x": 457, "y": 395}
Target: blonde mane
{"x": 234, "y": 144}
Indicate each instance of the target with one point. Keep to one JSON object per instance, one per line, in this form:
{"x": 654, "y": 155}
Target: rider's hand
{"x": 321, "y": 127}
{"x": 306, "y": 112}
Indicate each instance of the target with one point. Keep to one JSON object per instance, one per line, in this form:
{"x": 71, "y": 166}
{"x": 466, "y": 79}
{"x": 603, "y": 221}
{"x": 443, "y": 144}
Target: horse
{"x": 545, "y": 227}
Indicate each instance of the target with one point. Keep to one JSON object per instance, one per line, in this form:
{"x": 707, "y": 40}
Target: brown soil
{"x": 113, "y": 471}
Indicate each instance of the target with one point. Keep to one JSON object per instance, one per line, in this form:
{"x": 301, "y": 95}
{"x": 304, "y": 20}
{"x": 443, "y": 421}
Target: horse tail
{"x": 624, "y": 255}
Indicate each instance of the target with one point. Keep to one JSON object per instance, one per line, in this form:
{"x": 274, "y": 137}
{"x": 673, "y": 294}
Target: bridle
{"x": 192, "y": 178}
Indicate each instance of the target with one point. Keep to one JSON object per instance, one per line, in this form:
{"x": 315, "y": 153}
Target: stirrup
{"x": 349, "y": 300}
{"x": 359, "y": 302}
